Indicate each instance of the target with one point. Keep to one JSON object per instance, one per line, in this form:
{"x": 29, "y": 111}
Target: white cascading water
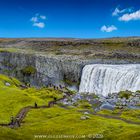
{"x": 104, "y": 79}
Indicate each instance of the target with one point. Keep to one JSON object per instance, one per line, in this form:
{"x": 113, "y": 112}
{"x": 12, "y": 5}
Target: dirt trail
{"x": 117, "y": 118}
{"x": 23, "y": 112}
{"x": 111, "y": 117}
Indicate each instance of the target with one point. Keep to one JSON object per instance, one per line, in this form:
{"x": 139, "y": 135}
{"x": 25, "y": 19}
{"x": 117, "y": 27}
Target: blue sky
{"x": 69, "y": 18}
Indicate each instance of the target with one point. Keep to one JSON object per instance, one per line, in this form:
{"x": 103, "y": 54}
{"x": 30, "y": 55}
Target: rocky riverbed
{"x": 121, "y": 100}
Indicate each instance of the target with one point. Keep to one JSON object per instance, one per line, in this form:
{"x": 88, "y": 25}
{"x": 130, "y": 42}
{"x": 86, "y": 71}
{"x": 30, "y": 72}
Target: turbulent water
{"x": 104, "y": 79}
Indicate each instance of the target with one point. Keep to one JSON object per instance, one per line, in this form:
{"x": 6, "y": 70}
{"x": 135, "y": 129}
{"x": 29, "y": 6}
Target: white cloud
{"x": 34, "y": 19}
{"x": 38, "y": 20}
{"x": 108, "y": 28}
{"x": 39, "y": 24}
{"x": 42, "y": 17}
{"x": 117, "y": 11}
{"x": 132, "y": 16}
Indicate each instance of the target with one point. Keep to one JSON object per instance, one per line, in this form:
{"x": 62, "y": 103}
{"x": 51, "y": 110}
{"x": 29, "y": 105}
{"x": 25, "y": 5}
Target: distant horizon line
{"x": 68, "y": 37}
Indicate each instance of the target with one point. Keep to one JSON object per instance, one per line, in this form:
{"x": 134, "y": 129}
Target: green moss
{"x": 61, "y": 104}
{"x": 84, "y": 104}
{"x": 45, "y": 94}
{"x": 6, "y": 63}
{"x": 71, "y": 91}
{"x": 12, "y": 81}
{"x": 95, "y": 96}
{"x": 60, "y": 121}
{"x": 8, "y": 50}
{"x": 28, "y": 70}
{"x": 138, "y": 91}
{"x": 69, "y": 82}
{"x": 130, "y": 114}
{"x": 12, "y": 98}
{"x": 3, "y": 51}
{"x": 115, "y": 112}
{"x": 58, "y": 53}
{"x": 125, "y": 94}
{"x": 57, "y": 120}
{"x": 7, "y": 71}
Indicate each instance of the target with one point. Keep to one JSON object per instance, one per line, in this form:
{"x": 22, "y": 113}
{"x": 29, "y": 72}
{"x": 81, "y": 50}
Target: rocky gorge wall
{"x": 39, "y": 69}
{"x": 48, "y": 69}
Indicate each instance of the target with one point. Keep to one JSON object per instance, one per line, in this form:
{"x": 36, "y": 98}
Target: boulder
{"x": 86, "y": 113}
{"x": 85, "y": 117}
{"x": 107, "y": 106}
{"x": 7, "y": 84}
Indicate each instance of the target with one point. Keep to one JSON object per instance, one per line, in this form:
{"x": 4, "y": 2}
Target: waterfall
{"x": 104, "y": 79}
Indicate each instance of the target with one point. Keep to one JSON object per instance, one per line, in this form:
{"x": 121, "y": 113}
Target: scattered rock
{"x": 110, "y": 102}
{"x": 107, "y": 106}
{"x": 85, "y": 117}
{"x": 124, "y": 103}
{"x": 86, "y": 113}
{"x": 7, "y": 84}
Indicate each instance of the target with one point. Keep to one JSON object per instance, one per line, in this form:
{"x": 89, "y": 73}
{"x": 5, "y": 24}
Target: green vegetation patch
{"x": 131, "y": 114}
{"x": 60, "y": 121}
{"x": 46, "y": 94}
{"x": 13, "y": 98}
{"x": 70, "y": 82}
{"x": 57, "y": 120}
{"x": 83, "y": 104}
{"x": 128, "y": 114}
{"x": 28, "y": 70}
{"x": 125, "y": 94}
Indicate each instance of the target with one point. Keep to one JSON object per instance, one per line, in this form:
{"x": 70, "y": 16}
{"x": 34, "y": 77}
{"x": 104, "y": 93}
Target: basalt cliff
{"x": 53, "y": 61}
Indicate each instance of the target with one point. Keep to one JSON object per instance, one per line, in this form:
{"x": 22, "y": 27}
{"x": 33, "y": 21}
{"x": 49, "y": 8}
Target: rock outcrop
{"x": 48, "y": 69}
